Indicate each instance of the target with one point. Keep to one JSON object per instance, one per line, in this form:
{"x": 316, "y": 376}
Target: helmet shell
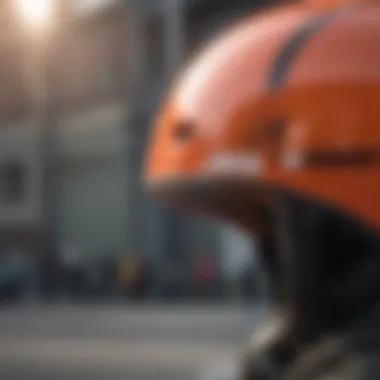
{"x": 284, "y": 100}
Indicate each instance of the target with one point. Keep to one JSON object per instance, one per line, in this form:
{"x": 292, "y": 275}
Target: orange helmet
{"x": 281, "y": 113}
{"x": 285, "y": 100}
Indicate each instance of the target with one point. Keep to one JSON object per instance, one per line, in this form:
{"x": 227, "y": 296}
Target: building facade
{"x": 102, "y": 81}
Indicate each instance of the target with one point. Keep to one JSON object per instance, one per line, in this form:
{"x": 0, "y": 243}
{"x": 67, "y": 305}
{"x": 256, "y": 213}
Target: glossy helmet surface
{"x": 284, "y": 101}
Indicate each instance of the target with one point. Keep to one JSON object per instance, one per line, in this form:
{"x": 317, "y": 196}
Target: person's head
{"x": 275, "y": 127}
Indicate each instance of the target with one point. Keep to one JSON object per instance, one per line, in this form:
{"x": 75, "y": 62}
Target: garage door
{"x": 92, "y": 207}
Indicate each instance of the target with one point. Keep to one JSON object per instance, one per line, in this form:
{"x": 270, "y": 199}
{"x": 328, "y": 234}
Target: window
{"x": 12, "y": 182}
{"x": 13, "y": 91}
{"x": 94, "y": 62}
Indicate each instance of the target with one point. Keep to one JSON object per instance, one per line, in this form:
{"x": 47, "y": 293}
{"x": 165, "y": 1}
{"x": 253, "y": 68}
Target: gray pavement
{"x": 120, "y": 341}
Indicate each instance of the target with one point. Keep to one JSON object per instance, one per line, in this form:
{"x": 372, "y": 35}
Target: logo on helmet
{"x": 232, "y": 163}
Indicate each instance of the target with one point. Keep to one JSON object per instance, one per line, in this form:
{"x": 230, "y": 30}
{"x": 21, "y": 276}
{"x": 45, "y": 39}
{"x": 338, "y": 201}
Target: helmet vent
{"x": 183, "y": 132}
{"x": 269, "y": 133}
{"x": 275, "y": 131}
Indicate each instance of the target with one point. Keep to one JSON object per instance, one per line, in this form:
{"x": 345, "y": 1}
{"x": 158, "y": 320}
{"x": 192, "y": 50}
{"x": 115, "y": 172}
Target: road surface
{"x": 119, "y": 342}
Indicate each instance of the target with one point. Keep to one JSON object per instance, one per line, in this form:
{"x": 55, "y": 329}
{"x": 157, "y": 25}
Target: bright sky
{"x": 88, "y": 6}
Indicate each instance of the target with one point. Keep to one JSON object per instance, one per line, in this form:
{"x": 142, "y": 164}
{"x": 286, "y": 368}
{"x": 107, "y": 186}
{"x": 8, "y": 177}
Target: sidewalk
{"x": 38, "y": 301}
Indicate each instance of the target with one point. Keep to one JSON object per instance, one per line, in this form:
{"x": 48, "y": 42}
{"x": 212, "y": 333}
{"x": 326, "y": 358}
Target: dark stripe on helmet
{"x": 282, "y": 64}
{"x": 357, "y": 157}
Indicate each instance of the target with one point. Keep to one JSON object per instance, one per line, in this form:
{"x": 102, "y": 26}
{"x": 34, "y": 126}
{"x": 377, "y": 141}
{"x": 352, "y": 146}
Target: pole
{"x": 174, "y": 45}
{"x": 44, "y": 95}
{"x": 131, "y": 130}
{"x": 49, "y": 188}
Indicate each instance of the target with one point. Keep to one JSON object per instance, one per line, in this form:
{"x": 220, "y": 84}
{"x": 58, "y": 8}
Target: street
{"x": 120, "y": 342}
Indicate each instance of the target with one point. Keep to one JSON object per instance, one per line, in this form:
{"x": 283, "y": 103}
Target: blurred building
{"x": 170, "y": 237}
{"x": 101, "y": 78}
{"x": 73, "y": 83}
{"x": 19, "y": 174}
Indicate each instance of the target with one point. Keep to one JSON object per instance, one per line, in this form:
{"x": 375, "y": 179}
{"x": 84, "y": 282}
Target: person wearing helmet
{"x": 275, "y": 128}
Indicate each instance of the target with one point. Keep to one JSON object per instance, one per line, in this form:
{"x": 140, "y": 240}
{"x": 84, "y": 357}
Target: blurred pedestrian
{"x": 205, "y": 274}
{"x": 71, "y": 255}
{"x": 129, "y": 276}
{"x": 16, "y": 273}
